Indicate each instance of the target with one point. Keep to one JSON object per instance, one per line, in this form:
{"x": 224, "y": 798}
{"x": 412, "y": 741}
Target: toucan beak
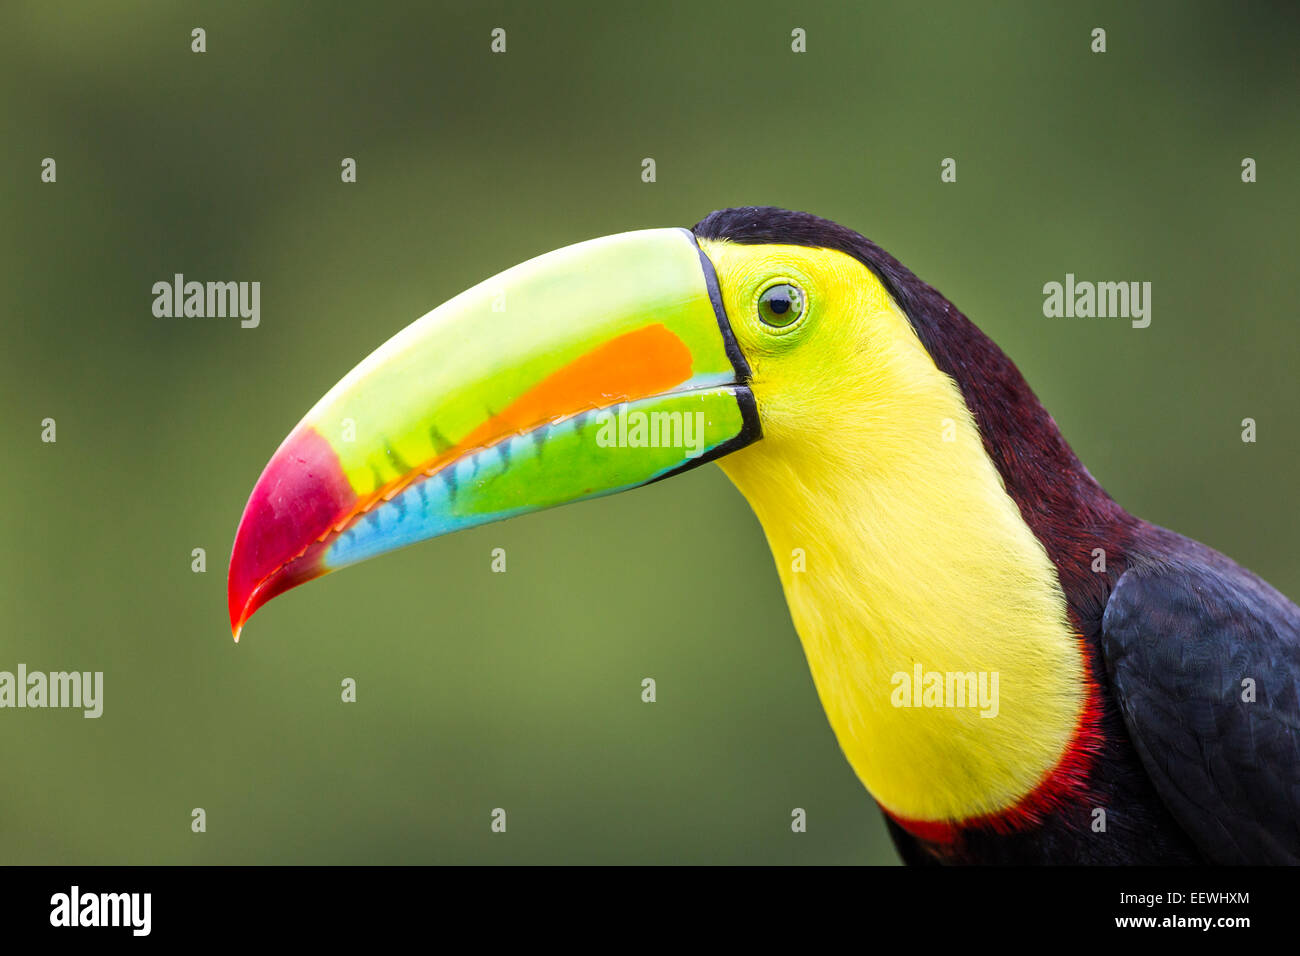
{"x": 593, "y": 369}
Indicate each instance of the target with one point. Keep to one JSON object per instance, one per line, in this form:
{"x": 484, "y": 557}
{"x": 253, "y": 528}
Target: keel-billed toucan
{"x": 1002, "y": 694}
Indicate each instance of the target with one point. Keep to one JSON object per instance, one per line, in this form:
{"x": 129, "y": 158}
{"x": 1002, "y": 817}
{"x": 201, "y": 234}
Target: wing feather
{"x": 1204, "y": 658}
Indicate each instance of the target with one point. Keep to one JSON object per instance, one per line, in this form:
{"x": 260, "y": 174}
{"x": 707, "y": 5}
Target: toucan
{"x": 1017, "y": 669}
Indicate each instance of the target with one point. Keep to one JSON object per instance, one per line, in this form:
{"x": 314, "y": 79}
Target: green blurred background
{"x": 522, "y": 690}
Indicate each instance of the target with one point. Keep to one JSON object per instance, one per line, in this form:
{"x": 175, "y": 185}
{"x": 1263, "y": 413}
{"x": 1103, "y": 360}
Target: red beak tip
{"x": 241, "y": 609}
{"x": 301, "y": 494}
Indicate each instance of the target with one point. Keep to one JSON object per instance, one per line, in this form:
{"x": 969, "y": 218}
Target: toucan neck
{"x": 903, "y": 558}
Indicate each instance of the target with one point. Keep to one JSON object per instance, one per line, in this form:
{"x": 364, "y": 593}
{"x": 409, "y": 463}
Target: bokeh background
{"x": 522, "y": 690}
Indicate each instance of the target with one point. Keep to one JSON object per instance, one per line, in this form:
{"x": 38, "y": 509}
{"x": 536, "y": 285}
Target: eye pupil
{"x": 781, "y": 305}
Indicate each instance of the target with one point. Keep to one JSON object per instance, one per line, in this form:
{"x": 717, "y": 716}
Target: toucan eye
{"x": 780, "y": 305}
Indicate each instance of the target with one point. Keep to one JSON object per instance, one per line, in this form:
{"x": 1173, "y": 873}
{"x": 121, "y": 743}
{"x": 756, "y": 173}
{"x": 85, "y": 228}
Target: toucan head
{"x": 593, "y": 369}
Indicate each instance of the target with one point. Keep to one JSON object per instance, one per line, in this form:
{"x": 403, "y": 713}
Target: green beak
{"x": 593, "y": 369}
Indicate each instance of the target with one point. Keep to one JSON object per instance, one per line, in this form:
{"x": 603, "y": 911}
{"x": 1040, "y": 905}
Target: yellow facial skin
{"x": 914, "y": 552}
